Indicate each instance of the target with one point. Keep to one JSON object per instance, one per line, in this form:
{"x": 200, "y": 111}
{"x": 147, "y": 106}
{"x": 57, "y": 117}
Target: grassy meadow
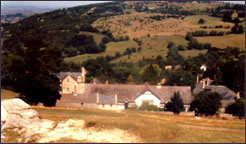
{"x": 155, "y": 127}
{"x": 112, "y": 48}
{"x": 232, "y": 40}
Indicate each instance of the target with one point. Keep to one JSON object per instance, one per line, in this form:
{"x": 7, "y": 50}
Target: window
{"x": 67, "y": 79}
{"x": 79, "y": 79}
{"x": 82, "y": 104}
{"x": 148, "y": 101}
{"x": 103, "y": 105}
{"x": 111, "y": 105}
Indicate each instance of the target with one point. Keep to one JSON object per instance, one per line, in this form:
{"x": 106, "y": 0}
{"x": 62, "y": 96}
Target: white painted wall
{"x": 147, "y": 96}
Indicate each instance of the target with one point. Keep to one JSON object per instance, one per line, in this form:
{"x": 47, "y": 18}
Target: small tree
{"x": 176, "y": 105}
{"x": 206, "y": 103}
{"x": 237, "y": 108}
{"x": 201, "y": 21}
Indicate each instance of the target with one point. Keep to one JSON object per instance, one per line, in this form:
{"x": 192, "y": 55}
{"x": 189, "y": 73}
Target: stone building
{"x": 76, "y": 93}
{"x": 228, "y": 96}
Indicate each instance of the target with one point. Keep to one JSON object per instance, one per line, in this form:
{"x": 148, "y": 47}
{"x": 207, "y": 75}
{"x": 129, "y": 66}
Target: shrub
{"x": 237, "y": 29}
{"x": 176, "y": 105}
{"x": 181, "y": 47}
{"x": 237, "y": 108}
{"x": 206, "y": 103}
{"x": 201, "y": 21}
{"x": 148, "y": 107}
{"x": 213, "y": 33}
{"x": 170, "y": 44}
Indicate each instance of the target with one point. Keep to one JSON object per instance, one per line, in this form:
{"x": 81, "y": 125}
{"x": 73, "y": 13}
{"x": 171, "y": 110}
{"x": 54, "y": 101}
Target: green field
{"x": 232, "y": 40}
{"x": 152, "y": 47}
{"x": 112, "y": 48}
{"x": 97, "y": 37}
{"x": 155, "y": 127}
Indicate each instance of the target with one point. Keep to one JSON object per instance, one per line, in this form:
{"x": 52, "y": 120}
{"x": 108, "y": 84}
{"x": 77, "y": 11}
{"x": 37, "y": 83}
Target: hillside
{"x": 152, "y": 22}
{"x": 114, "y": 41}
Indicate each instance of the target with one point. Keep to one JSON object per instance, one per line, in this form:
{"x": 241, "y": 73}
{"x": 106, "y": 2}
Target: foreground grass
{"x": 155, "y": 127}
{"x": 7, "y": 94}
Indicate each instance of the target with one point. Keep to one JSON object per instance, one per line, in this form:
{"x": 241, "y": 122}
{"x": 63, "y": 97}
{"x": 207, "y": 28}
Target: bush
{"x": 148, "y": 107}
{"x": 170, "y": 44}
{"x": 201, "y": 21}
{"x": 213, "y": 33}
{"x": 176, "y": 105}
{"x": 237, "y": 108}
{"x": 237, "y": 29}
{"x": 206, "y": 103}
{"x": 181, "y": 47}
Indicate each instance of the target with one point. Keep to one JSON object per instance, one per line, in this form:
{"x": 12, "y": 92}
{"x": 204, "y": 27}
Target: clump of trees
{"x": 176, "y": 104}
{"x": 237, "y": 108}
{"x": 205, "y": 33}
{"x": 206, "y": 103}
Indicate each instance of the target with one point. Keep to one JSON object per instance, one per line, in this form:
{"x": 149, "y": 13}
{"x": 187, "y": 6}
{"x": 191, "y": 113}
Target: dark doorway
{"x": 126, "y": 104}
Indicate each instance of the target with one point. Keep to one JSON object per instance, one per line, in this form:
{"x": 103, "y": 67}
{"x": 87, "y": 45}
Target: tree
{"x": 227, "y": 17}
{"x": 130, "y": 79}
{"x": 150, "y": 73}
{"x": 176, "y": 105}
{"x": 206, "y": 103}
{"x": 237, "y": 108}
{"x": 237, "y": 29}
{"x": 201, "y": 21}
{"x": 170, "y": 44}
{"x": 34, "y": 72}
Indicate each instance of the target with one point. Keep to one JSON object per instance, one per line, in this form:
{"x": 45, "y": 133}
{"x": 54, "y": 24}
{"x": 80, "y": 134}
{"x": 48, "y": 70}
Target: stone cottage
{"x": 228, "y": 96}
{"x": 76, "y": 93}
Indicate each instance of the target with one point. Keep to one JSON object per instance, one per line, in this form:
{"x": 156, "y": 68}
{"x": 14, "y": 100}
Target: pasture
{"x": 155, "y": 127}
{"x": 231, "y": 40}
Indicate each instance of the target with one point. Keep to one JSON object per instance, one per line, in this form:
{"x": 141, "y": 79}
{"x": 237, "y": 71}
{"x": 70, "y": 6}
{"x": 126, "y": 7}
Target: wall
{"x": 69, "y": 86}
{"x": 147, "y": 96}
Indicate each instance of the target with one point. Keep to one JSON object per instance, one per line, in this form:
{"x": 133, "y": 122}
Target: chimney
{"x": 208, "y": 82}
{"x": 115, "y": 98}
{"x": 97, "y": 98}
{"x": 163, "y": 81}
{"x": 197, "y": 79}
{"x": 203, "y": 83}
{"x": 94, "y": 81}
{"x": 83, "y": 73}
{"x": 159, "y": 85}
{"x": 238, "y": 95}
{"x": 106, "y": 82}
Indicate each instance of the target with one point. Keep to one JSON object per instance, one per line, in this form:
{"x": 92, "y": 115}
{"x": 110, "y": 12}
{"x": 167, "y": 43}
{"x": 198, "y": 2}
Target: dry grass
{"x": 112, "y": 48}
{"x": 156, "y": 127}
{"x": 152, "y": 47}
{"x": 97, "y": 37}
{"x": 7, "y": 94}
{"x": 232, "y": 40}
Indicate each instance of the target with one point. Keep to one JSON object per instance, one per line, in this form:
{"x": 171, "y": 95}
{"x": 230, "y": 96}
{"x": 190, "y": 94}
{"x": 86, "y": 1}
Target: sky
{"x": 61, "y": 4}
{"x": 51, "y": 4}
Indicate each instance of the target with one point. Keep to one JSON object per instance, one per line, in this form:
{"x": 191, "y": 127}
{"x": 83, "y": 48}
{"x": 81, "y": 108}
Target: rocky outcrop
{"x": 17, "y": 116}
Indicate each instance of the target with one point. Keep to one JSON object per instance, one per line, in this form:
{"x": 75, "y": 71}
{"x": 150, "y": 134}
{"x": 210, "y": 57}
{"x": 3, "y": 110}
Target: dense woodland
{"x": 34, "y": 49}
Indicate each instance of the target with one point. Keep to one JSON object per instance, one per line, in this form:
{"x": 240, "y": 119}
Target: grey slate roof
{"x": 127, "y": 92}
{"x": 63, "y": 75}
{"x": 227, "y": 94}
{"x": 106, "y": 99}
